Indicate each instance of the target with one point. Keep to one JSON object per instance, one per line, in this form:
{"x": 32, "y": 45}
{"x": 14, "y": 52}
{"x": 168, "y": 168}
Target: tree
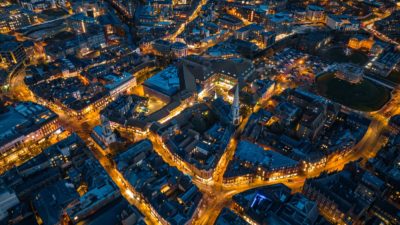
{"x": 116, "y": 147}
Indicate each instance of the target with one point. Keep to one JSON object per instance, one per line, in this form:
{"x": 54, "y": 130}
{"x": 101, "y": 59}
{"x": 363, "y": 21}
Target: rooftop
{"x": 255, "y": 154}
{"x": 21, "y": 119}
{"x": 50, "y": 201}
{"x": 227, "y": 217}
{"x": 166, "y": 81}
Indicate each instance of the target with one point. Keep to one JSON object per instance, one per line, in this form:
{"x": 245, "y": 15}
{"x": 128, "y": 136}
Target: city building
{"x": 280, "y": 22}
{"x": 222, "y": 73}
{"x": 64, "y": 183}
{"x": 360, "y": 42}
{"x": 385, "y": 62}
{"x": 162, "y": 47}
{"x": 342, "y": 22}
{"x": 275, "y": 204}
{"x": 315, "y": 13}
{"x": 35, "y": 5}
{"x": 179, "y": 49}
{"x": 72, "y": 95}
{"x": 13, "y": 18}
{"x": 25, "y": 122}
{"x": 120, "y": 84}
{"x": 119, "y": 211}
{"x": 171, "y": 194}
{"x": 302, "y": 127}
{"x": 248, "y": 31}
{"x": 394, "y": 122}
{"x": 164, "y": 84}
{"x": 197, "y": 138}
{"x": 12, "y": 53}
{"x": 390, "y": 25}
{"x": 50, "y": 202}
{"x": 268, "y": 38}
{"x": 8, "y": 199}
{"x": 229, "y": 22}
{"x": 103, "y": 134}
{"x": 346, "y": 197}
{"x": 92, "y": 201}
{"x": 252, "y": 162}
{"x": 349, "y": 72}
{"x": 227, "y": 217}
{"x": 127, "y": 112}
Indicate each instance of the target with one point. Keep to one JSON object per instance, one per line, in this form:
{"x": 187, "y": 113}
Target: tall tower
{"x": 105, "y": 125}
{"x": 108, "y": 135}
{"x": 236, "y": 107}
{"x": 131, "y": 9}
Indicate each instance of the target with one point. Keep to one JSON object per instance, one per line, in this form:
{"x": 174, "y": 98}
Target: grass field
{"x": 365, "y": 96}
{"x": 337, "y": 55}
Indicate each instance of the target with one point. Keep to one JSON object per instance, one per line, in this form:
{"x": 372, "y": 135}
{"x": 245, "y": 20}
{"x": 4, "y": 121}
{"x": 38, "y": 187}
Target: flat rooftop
{"x": 255, "y": 154}
{"x": 166, "y": 81}
{"x": 9, "y": 121}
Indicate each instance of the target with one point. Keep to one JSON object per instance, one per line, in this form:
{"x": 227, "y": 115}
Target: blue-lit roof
{"x": 166, "y": 81}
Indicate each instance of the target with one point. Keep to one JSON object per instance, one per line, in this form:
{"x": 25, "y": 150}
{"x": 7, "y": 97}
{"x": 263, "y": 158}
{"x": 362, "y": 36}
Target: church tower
{"x": 236, "y": 107}
{"x": 105, "y": 125}
{"x": 107, "y": 132}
